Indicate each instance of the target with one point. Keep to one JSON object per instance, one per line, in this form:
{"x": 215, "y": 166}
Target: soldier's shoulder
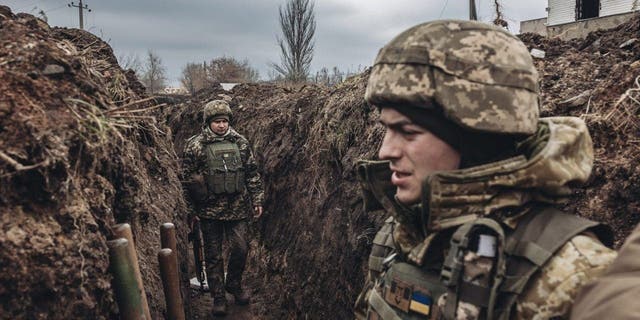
{"x": 195, "y": 138}
{"x": 193, "y": 141}
{"x": 592, "y": 250}
{"x": 579, "y": 255}
{"x": 239, "y": 137}
{"x": 551, "y": 291}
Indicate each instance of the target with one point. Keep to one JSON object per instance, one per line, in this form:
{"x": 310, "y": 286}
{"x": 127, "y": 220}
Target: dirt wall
{"x": 79, "y": 153}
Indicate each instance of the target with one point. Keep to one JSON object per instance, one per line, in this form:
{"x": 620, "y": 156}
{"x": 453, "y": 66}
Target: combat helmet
{"x": 216, "y": 109}
{"x": 479, "y": 76}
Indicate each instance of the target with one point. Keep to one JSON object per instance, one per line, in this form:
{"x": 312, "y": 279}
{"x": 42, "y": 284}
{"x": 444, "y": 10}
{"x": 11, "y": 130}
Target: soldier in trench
{"x": 223, "y": 184}
{"x": 472, "y": 179}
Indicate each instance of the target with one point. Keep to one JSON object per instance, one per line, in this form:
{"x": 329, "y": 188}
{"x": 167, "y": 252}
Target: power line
{"x": 54, "y": 9}
{"x": 32, "y": 4}
{"x": 81, "y": 8}
{"x": 444, "y": 7}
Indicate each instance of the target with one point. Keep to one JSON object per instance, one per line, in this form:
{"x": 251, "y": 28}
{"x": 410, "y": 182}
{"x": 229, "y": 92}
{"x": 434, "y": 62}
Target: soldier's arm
{"x": 188, "y": 160}
{"x": 189, "y": 168}
{"x": 253, "y": 180}
{"x": 551, "y": 293}
{"x": 615, "y": 294}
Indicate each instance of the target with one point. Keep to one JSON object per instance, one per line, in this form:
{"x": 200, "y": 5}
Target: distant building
{"x": 570, "y": 19}
{"x": 228, "y": 86}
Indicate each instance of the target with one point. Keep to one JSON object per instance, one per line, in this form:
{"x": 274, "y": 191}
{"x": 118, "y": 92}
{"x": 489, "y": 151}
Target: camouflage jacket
{"x": 222, "y": 206}
{"x": 613, "y": 296}
{"x": 558, "y": 155}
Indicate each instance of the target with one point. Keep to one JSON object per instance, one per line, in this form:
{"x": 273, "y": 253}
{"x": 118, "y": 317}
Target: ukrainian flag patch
{"x": 420, "y": 303}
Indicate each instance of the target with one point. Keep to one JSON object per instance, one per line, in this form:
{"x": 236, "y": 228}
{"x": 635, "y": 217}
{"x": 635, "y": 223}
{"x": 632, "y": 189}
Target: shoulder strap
{"x": 381, "y": 307}
{"x": 453, "y": 267}
{"x": 382, "y": 246}
{"x": 536, "y": 239}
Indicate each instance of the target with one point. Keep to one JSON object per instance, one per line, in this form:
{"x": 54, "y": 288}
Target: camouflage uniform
{"x": 613, "y": 296}
{"x": 222, "y": 206}
{"x": 482, "y": 79}
{"x": 223, "y": 213}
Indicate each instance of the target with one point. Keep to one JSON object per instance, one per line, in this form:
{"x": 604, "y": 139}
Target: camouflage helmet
{"x": 216, "y": 109}
{"x": 479, "y": 76}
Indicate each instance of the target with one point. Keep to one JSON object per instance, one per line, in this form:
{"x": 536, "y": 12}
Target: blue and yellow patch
{"x": 420, "y": 303}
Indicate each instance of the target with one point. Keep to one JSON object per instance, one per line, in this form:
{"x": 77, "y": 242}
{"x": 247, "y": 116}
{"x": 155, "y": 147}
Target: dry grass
{"x": 625, "y": 111}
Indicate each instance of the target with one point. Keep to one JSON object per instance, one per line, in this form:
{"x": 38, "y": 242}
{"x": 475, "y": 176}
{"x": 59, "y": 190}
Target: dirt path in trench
{"x": 202, "y": 304}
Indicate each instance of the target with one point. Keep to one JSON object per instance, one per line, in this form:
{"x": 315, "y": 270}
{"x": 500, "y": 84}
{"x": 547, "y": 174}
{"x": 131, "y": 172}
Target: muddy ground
{"x": 81, "y": 148}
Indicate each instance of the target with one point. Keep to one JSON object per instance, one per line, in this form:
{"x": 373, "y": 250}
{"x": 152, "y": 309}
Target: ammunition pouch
{"x": 225, "y": 172}
{"x": 226, "y": 182}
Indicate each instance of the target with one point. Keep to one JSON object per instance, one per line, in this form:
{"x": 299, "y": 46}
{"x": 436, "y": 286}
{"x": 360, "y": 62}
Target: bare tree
{"x": 322, "y": 76}
{"x": 329, "y": 79}
{"x": 298, "y": 24}
{"x": 337, "y": 76}
{"x": 130, "y": 61}
{"x": 229, "y": 69}
{"x": 153, "y": 76}
{"x": 194, "y": 77}
{"x": 350, "y": 73}
{"x": 499, "y": 20}
{"x": 274, "y": 76}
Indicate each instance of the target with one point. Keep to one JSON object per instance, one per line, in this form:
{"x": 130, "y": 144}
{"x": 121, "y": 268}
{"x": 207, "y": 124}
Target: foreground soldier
{"x": 222, "y": 180}
{"x": 470, "y": 175}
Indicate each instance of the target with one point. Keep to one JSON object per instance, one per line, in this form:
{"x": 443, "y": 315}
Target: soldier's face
{"x": 414, "y": 153}
{"x": 219, "y": 126}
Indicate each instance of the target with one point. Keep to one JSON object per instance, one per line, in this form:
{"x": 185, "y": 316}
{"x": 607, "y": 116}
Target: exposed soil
{"x": 82, "y": 149}
{"x": 78, "y": 155}
{"x": 606, "y": 76}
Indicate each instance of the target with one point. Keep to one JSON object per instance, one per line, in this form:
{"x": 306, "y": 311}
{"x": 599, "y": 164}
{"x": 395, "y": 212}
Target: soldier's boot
{"x": 219, "y": 307}
{"x": 239, "y": 295}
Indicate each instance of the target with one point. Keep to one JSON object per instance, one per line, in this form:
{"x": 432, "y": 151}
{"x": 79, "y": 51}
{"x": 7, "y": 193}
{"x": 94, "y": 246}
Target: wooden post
{"x": 168, "y": 236}
{"x": 123, "y": 230}
{"x": 170, "y": 283}
{"x": 125, "y": 286}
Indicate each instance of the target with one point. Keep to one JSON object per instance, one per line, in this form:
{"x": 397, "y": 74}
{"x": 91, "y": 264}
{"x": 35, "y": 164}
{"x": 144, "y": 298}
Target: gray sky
{"x": 348, "y": 32}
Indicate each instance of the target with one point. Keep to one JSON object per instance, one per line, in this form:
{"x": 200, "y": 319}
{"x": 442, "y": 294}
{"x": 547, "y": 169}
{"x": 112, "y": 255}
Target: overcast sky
{"x": 348, "y": 32}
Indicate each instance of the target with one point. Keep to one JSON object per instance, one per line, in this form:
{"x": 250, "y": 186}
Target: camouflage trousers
{"x": 214, "y": 232}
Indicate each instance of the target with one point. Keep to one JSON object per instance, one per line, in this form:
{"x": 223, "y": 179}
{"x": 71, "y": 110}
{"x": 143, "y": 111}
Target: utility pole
{"x": 472, "y": 10}
{"x": 80, "y": 8}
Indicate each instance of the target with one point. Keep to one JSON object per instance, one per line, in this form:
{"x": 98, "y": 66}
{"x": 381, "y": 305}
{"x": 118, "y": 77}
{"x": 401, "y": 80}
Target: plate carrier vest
{"x": 225, "y": 173}
{"x": 406, "y": 291}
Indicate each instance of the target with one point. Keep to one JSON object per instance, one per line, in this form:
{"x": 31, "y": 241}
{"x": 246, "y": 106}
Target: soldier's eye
{"x": 409, "y": 132}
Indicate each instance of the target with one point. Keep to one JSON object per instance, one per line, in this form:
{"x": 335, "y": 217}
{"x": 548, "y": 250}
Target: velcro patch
{"x": 421, "y": 301}
{"x": 399, "y": 295}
